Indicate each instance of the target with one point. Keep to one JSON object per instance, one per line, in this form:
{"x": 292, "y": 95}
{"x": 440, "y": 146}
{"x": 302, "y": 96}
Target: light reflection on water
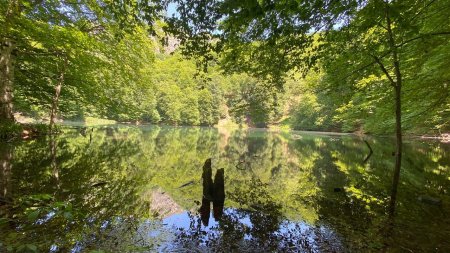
{"x": 289, "y": 235}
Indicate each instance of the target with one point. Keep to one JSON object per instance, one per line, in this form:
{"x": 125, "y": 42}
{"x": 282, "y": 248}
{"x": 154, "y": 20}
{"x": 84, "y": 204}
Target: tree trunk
{"x": 6, "y": 80}
{"x": 55, "y": 101}
{"x": 398, "y": 109}
{"x": 7, "y": 64}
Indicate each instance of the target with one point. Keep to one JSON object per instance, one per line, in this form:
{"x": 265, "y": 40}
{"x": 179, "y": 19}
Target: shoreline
{"x": 444, "y": 138}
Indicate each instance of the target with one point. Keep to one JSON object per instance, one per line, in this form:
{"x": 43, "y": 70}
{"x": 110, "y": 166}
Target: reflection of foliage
{"x": 235, "y": 234}
{"x": 265, "y": 214}
{"x": 98, "y": 185}
{"x": 40, "y": 207}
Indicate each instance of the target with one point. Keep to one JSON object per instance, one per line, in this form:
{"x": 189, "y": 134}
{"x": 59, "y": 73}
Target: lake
{"x": 154, "y": 189}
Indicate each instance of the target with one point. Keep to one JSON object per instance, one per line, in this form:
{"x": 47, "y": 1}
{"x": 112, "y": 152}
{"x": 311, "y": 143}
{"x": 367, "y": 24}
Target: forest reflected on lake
{"x": 146, "y": 189}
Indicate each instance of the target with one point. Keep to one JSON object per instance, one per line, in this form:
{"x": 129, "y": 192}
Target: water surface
{"x": 146, "y": 189}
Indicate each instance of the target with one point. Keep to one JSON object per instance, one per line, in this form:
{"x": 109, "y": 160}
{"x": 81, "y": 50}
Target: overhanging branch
{"x": 423, "y": 36}
{"x": 385, "y": 71}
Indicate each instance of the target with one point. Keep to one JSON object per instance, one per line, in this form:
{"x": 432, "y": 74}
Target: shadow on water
{"x": 129, "y": 189}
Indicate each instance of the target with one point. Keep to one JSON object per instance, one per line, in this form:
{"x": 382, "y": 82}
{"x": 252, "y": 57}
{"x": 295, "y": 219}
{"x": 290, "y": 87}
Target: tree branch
{"x": 383, "y": 68}
{"x": 422, "y": 10}
{"x": 388, "y": 52}
{"x": 422, "y": 36}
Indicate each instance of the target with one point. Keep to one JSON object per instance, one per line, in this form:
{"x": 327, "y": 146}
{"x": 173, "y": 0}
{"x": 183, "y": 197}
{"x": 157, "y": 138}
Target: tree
{"x": 380, "y": 36}
{"x": 11, "y": 12}
{"x": 85, "y": 16}
{"x": 251, "y": 101}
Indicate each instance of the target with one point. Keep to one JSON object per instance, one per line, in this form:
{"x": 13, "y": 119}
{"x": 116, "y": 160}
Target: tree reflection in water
{"x": 260, "y": 227}
{"x": 95, "y": 192}
{"x": 6, "y": 184}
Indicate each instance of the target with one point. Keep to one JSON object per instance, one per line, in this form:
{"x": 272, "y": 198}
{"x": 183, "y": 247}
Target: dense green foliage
{"x": 388, "y": 48}
{"x": 362, "y": 54}
{"x": 45, "y": 40}
{"x": 309, "y": 65}
{"x": 117, "y": 69}
{"x": 366, "y": 66}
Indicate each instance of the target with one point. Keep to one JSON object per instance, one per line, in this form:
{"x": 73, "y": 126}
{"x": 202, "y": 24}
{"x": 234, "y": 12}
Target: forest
{"x": 118, "y": 61}
{"x": 224, "y": 126}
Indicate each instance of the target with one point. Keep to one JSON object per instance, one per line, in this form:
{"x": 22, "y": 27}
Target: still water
{"x": 163, "y": 189}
